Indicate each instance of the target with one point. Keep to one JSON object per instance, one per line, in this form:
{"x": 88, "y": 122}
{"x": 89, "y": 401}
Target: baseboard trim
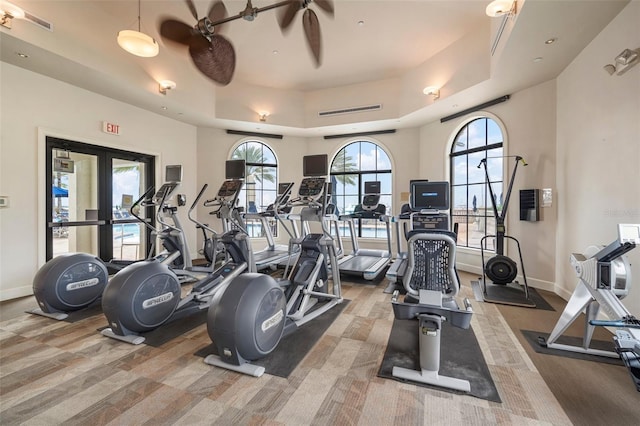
{"x": 15, "y": 293}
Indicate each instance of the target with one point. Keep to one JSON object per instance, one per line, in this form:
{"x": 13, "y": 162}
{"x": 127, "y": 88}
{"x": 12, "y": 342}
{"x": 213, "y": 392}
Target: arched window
{"x": 261, "y": 180}
{"x": 353, "y": 165}
{"x": 471, "y": 207}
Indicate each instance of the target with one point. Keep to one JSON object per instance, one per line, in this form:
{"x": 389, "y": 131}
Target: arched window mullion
{"x": 469, "y": 192}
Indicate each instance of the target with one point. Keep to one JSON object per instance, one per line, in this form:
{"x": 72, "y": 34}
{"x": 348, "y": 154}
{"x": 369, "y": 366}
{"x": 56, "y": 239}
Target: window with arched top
{"x": 261, "y": 180}
{"x": 471, "y": 207}
{"x": 355, "y": 164}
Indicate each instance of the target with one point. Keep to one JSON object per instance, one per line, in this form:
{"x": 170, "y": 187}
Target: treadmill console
{"x": 164, "y": 192}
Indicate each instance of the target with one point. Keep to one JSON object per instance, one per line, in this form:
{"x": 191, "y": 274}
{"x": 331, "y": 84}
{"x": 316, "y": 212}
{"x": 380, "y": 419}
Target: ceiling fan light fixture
{"x": 500, "y": 7}
{"x": 138, "y": 43}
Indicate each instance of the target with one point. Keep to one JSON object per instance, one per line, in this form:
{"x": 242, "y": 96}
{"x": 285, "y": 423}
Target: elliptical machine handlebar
{"x": 193, "y": 206}
{"x": 143, "y": 201}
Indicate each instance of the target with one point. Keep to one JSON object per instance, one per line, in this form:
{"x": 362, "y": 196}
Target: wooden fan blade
{"x": 326, "y": 5}
{"x": 192, "y": 9}
{"x": 312, "y": 31}
{"x": 218, "y": 11}
{"x": 289, "y": 12}
{"x": 176, "y": 31}
{"x": 216, "y": 60}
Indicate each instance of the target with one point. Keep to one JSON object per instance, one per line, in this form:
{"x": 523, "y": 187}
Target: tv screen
{"x": 234, "y": 169}
{"x": 315, "y": 165}
{"x": 427, "y": 195}
{"x": 372, "y": 187}
{"x": 173, "y": 173}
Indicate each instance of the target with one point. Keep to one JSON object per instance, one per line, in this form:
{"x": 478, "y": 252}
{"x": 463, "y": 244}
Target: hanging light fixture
{"x": 501, "y": 7}
{"x": 138, "y": 43}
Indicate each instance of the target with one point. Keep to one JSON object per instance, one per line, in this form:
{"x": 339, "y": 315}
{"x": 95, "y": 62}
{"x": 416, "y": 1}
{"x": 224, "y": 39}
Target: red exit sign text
{"x": 111, "y": 128}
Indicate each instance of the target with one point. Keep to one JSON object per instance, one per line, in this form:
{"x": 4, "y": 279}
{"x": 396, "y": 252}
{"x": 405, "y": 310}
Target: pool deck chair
{"x": 431, "y": 286}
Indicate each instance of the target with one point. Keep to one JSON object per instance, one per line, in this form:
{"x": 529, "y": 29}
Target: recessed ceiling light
{"x": 275, "y": 52}
{"x": 551, "y": 40}
{"x": 163, "y": 107}
{"x": 538, "y": 59}
{"x": 361, "y": 23}
{"x": 22, "y": 55}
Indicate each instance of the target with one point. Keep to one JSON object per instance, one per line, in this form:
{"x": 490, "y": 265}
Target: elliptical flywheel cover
{"x": 501, "y": 270}
{"x": 69, "y": 282}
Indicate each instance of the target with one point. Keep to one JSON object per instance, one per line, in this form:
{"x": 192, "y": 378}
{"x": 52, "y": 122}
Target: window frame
{"x": 380, "y": 230}
{"x": 255, "y": 230}
{"x": 485, "y": 221}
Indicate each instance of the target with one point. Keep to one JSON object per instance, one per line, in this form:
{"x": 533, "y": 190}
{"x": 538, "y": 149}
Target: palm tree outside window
{"x": 357, "y": 163}
{"x": 480, "y": 138}
{"x": 261, "y": 181}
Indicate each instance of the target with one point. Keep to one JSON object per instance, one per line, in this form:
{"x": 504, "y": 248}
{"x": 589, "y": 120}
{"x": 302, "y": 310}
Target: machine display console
{"x": 629, "y": 233}
{"x": 165, "y": 191}
{"x": 311, "y": 187}
{"x": 229, "y": 188}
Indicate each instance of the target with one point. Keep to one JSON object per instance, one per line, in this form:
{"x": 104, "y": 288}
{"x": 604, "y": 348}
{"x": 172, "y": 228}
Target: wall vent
{"x": 351, "y": 110}
{"x": 38, "y": 21}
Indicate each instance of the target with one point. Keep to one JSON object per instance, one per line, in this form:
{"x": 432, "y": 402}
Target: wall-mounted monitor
{"x": 234, "y": 169}
{"x": 427, "y": 195}
{"x": 315, "y": 165}
{"x": 173, "y": 173}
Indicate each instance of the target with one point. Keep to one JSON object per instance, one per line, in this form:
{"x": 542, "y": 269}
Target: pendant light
{"x": 138, "y": 43}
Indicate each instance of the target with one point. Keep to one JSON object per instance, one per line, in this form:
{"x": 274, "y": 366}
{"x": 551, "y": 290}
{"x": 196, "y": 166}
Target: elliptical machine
{"x": 146, "y": 295}
{"x": 73, "y": 281}
{"x": 256, "y": 311}
{"x": 501, "y": 269}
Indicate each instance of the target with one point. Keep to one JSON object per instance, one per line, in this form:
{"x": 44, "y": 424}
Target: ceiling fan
{"x": 214, "y": 55}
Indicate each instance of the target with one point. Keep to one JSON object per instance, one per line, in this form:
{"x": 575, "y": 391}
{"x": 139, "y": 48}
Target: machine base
{"x": 133, "y": 339}
{"x": 432, "y": 378}
{"x": 246, "y": 368}
{"x": 56, "y": 315}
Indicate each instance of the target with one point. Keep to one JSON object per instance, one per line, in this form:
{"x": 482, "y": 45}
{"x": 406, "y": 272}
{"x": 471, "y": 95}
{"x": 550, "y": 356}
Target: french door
{"x": 92, "y": 189}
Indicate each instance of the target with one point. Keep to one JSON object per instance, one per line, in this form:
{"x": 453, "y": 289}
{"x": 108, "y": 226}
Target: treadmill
{"x": 273, "y": 254}
{"x": 428, "y": 209}
{"x": 367, "y": 263}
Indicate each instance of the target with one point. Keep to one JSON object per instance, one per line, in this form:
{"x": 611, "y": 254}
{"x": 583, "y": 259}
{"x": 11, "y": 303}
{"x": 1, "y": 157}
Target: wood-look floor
{"x": 55, "y": 373}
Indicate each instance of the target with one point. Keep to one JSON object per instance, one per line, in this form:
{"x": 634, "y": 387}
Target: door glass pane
{"x": 127, "y": 186}
{"x": 75, "y": 199}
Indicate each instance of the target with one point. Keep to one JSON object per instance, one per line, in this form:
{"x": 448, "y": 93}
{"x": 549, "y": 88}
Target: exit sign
{"x": 111, "y": 128}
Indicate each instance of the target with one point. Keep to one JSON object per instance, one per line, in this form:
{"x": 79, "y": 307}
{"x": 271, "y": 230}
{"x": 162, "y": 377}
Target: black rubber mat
{"x": 534, "y": 336}
{"x": 461, "y": 357}
{"x": 293, "y": 348}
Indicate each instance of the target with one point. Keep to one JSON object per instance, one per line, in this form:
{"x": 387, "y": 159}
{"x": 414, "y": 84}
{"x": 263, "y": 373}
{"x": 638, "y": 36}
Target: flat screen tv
{"x": 234, "y": 169}
{"x": 427, "y": 195}
{"x": 315, "y": 165}
{"x": 173, "y": 173}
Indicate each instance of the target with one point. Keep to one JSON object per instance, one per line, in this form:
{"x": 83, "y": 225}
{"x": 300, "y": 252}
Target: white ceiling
{"x": 396, "y": 37}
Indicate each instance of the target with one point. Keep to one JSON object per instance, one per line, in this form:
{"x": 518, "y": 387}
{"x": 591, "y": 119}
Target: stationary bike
{"x": 146, "y": 295}
{"x": 256, "y": 311}
{"x": 73, "y": 281}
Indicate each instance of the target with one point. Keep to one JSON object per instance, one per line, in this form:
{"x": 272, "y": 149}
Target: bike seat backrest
{"x": 431, "y": 262}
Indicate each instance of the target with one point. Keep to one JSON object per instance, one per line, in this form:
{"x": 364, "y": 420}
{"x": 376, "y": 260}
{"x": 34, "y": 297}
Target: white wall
{"x": 529, "y": 118}
{"x": 598, "y": 150}
{"x": 33, "y": 106}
